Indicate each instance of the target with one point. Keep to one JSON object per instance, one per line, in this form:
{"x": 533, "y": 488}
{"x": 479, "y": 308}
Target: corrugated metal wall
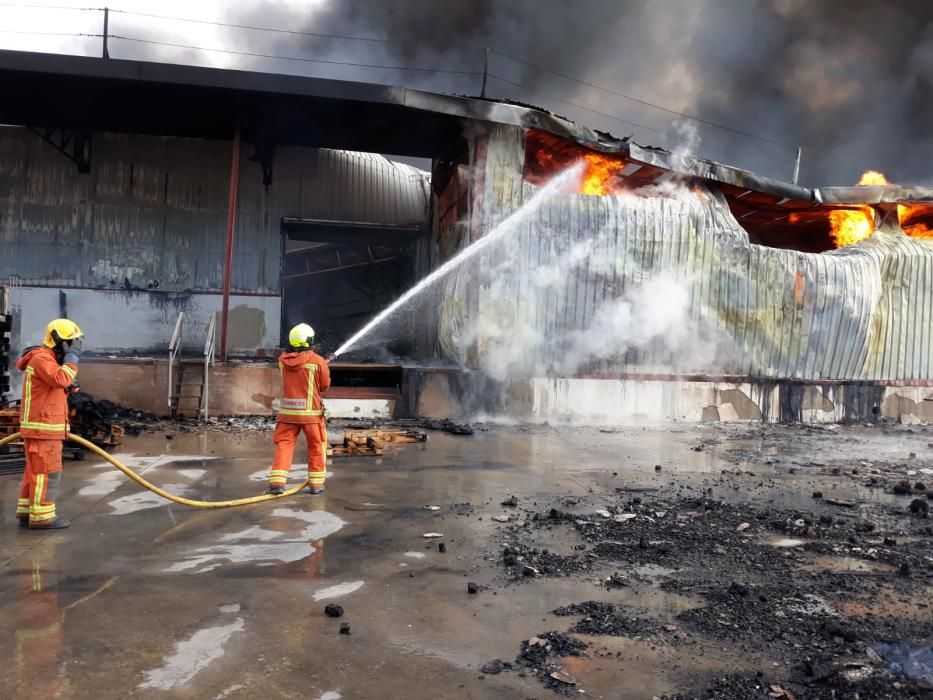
{"x": 863, "y": 312}
{"x": 153, "y": 210}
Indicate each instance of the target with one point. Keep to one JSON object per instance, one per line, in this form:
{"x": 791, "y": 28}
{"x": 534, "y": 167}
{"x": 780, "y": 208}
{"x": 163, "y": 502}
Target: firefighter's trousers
{"x": 285, "y": 438}
{"x": 41, "y": 481}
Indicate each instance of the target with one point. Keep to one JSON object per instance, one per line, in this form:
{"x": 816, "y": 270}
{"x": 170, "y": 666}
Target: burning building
{"x": 660, "y": 284}
{"x": 704, "y": 292}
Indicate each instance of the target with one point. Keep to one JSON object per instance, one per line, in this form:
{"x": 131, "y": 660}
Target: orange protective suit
{"x": 305, "y": 376}
{"x": 43, "y": 425}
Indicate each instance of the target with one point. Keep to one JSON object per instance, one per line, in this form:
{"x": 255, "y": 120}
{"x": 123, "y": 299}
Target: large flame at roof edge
{"x": 848, "y": 225}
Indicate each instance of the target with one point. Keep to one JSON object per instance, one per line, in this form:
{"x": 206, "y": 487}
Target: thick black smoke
{"x": 849, "y": 80}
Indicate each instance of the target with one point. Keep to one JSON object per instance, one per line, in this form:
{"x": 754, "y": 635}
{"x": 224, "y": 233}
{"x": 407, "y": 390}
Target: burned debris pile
{"x": 103, "y": 422}
{"x": 760, "y": 579}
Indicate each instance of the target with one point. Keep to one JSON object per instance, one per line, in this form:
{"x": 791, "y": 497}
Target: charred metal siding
{"x": 152, "y": 211}
{"x": 861, "y": 313}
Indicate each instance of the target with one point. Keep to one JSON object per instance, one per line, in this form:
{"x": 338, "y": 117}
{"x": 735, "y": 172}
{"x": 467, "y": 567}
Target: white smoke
{"x": 643, "y": 309}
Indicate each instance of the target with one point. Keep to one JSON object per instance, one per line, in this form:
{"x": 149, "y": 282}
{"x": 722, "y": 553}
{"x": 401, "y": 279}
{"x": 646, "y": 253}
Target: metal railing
{"x": 174, "y": 350}
{"x": 209, "y": 345}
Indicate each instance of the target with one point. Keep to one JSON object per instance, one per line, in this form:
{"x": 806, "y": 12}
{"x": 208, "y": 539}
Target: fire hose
{"x": 161, "y": 492}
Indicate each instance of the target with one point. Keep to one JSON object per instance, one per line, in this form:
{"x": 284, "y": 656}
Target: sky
{"x": 743, "y": 82}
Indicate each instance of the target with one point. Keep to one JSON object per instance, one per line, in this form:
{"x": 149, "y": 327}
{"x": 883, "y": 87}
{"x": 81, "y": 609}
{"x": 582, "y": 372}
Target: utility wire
{"x": 637, "y": 99}
{"x": 579, "y": 106}
{"x": 292, "y": 58}
{"x": 34, "y": 33}
{"x": 50, "y": 7}
{"x": 510, "y": 57}
{"x": 267, "y": 29}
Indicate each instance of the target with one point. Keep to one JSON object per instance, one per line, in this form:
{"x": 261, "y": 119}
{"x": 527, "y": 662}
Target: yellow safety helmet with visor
{"x": 59, "y": 330}
{"x": 301, "y": 336}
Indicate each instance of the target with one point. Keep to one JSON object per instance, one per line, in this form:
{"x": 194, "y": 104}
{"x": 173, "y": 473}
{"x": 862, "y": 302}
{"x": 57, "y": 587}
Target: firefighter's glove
{"x": 71, "y": 358}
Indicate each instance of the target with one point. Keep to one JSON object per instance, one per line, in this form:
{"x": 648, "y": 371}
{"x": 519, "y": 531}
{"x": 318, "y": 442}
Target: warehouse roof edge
{"x": 81, "y": 92}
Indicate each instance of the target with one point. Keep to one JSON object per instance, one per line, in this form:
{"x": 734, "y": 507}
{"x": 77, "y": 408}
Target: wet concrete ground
{"x": 143, "y": 598}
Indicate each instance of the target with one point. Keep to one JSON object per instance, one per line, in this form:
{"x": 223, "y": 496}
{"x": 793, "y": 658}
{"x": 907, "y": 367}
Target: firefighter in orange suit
{"x": 305, "y": 376}
{"x": 50, "y": 369}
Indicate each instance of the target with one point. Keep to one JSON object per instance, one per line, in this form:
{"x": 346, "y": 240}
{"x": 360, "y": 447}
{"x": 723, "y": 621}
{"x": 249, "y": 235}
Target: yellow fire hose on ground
{"x": 161, "y": 492}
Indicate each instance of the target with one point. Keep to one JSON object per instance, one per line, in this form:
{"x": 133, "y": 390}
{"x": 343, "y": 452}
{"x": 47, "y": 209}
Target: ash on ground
{"x": 818, "y": 597}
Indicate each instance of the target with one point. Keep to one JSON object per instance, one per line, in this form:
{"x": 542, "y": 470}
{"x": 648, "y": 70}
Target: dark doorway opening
{"x": 337, "y": 275}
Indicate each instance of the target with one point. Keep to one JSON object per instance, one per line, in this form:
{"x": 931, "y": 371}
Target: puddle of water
{"x": 193, "y": 474}
{"x": 888, "y": 602}
{"x": 646, "y": 670}
{"x": 192, "y": 656}
{"x": 656, "y": 603}
{"x": 784, "y": 542}
{"x": 210, "y": 558}
{"x": 262, "y": 546}
{"x": 104, "y": 483}
{"x": 142, "y": 501}
{"x": 846, "y": 565}
{"x": 253, "y": 533}
{"x": 337, "y": 591}
{"x": 320, "y": 523}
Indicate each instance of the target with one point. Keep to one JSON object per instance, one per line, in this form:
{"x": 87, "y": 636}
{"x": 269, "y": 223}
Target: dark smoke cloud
{"x": 849, "y": 80}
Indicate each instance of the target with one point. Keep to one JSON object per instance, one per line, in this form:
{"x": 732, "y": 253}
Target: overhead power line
{"x": 291, "y": 32}
{"x": 292, "y": 58}
{"x": 683, "y": 115}
{"x": 579, "y": 106}
{"x": 274, "y": 30}
{"x": 50, "y": 7}
{"x": 34, "y": 33}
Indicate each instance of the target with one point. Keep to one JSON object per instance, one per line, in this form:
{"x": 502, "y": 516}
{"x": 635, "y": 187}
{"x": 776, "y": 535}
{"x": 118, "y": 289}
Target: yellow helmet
{"x": 301, "y": 336}
{"x": 61, "y": 329}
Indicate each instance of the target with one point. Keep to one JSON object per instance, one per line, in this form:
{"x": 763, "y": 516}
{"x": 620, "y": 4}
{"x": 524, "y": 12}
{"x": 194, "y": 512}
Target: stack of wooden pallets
{"x": 101, "y": 433}
{"x": 9, "y": 421}
{"x": 11, "y": 456}
{"x": 372, "y": 443}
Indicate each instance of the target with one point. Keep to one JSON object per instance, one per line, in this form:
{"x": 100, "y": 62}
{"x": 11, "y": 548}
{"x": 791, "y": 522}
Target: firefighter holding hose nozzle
{"x": 51, "y": 370}
{"x": 305, "y": 376}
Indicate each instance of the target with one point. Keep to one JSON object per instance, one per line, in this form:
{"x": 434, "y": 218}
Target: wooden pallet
{"x": 395, "y": 436}
{"x": 9, "y": 421}
{"x": 372, "y": 443}
{"x": 107, "y": 436}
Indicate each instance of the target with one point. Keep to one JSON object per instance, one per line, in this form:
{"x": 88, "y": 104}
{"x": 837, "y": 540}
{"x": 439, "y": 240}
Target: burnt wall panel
{"x": 859, "y": 313}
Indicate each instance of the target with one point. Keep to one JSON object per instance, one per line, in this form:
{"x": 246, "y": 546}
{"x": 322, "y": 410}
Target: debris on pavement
{"x": 333, "y": 610}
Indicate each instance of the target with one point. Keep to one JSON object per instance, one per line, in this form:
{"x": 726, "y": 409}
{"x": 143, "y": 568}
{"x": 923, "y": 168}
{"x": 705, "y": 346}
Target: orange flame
{"x": 872, "y": 177}
{"x": 602, "y": 174}
{"x": 916, "y": 220}
{"x": 849, "y": 226}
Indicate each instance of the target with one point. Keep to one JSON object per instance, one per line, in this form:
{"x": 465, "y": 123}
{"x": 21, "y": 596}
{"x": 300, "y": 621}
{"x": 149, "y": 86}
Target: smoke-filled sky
{"x": 849, "y": 80}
